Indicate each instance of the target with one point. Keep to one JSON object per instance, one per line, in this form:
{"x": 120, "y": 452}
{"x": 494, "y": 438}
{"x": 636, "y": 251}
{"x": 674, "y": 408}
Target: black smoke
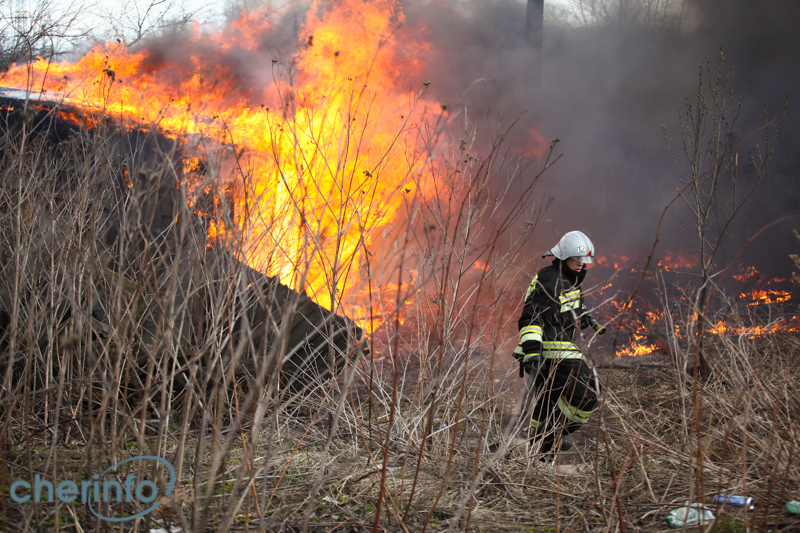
{"x": 608, "y": 92}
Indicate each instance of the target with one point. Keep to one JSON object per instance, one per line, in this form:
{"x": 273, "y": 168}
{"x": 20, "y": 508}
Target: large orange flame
{"x": 323, "y": 145}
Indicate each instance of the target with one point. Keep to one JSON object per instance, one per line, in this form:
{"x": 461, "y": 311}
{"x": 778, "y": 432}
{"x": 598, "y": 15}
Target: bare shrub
{"x": 125, "y": 334}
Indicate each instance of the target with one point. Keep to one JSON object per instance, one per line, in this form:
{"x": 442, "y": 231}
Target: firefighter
{"x": 561, "y": 382}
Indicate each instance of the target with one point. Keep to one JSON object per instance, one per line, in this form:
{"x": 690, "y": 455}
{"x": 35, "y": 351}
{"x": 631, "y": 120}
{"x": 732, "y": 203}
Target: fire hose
{"x": 595, "y": 325}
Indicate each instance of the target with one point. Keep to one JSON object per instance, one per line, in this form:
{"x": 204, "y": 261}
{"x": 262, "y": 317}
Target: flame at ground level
{"x": 649, "y": 329}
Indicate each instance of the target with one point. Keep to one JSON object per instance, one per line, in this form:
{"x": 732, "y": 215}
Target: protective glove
{"x": 530, "y": 364}
{"x": 588, "y": 321}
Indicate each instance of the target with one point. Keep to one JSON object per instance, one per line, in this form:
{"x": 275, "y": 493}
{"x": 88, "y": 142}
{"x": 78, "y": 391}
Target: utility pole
{"x": 534, "y": 30}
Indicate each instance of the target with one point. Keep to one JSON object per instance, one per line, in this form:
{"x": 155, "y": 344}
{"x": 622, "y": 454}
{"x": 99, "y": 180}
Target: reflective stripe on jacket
{"x": 547, "y": 326}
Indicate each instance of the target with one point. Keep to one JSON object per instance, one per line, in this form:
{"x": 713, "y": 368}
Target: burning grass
{"x": 337, "y": 101}
{"x": 127, "y": 332}
{"x": 419, "y": 433}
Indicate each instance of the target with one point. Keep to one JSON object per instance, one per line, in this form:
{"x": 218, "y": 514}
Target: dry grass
{"x": 146, "y": 343}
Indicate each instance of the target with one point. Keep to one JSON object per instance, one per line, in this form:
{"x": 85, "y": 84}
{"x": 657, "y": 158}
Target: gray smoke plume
{"x": 606, "y": 90}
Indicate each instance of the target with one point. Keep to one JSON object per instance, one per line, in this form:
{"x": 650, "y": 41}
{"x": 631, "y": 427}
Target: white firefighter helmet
{"x": 573, "y": 244}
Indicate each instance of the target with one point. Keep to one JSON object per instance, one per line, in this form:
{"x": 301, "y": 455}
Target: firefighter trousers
{"x": 564, "y": 395}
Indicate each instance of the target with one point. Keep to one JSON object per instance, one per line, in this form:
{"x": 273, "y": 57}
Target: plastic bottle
{"x": 793, "y": 507}
{"x": 734, "y": 500}
{"x": 689, "y": 516}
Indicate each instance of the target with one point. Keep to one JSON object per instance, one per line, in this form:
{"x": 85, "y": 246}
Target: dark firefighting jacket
{"x": 551, "y": 316}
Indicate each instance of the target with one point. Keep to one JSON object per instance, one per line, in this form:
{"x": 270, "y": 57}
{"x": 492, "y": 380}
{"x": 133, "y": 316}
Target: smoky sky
{"x": 609, "y": 92}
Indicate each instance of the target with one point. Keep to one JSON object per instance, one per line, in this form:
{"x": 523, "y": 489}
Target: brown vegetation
{"x": 124, "y": 335}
